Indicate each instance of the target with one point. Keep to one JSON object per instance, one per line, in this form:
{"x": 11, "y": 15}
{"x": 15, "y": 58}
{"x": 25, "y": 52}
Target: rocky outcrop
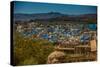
{"x": 56, "y": 57}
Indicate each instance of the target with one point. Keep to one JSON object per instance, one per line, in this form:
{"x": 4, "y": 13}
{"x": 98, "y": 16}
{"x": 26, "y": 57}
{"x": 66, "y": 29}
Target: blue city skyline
{"x": 36, "y": 7}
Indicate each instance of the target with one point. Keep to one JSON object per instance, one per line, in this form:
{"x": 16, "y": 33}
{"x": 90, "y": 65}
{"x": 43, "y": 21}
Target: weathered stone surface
{"x": 56, "y": 57}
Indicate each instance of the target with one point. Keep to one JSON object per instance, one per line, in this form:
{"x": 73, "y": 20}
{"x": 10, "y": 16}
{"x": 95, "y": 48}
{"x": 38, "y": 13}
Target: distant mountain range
{"x": 55, "y": 16}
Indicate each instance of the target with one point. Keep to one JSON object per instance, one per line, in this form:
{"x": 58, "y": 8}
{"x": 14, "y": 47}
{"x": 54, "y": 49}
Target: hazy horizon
{"x": 35, "y": 8}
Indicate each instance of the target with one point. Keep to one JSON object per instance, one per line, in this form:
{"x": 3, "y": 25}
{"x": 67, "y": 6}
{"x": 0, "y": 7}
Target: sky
{"x": 35, "y": 7}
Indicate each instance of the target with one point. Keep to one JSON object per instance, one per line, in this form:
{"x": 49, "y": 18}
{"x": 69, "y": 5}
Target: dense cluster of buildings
{"x": 65, "y": 33}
